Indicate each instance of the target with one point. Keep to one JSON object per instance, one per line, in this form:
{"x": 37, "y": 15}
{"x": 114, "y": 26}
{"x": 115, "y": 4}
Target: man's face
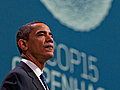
{"x": 40, "y": 43}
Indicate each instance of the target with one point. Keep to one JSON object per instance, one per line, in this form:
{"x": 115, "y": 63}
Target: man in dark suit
{"x": 35, "y": 44}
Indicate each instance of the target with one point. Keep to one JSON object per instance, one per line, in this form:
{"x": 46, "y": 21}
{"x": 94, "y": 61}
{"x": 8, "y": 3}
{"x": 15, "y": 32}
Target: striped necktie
{"x": 42, "y": 77}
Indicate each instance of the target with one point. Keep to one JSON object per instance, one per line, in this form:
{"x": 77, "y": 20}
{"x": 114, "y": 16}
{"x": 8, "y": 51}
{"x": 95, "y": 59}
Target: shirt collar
{"x": 34, "y": 67}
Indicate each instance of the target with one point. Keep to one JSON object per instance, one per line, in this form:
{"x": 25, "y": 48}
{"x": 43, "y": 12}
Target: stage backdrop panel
{"x": 86, "y": 37}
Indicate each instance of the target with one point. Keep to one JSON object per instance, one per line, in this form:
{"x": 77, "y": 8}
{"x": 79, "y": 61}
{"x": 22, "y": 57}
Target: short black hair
{"x": 24, "y": 31}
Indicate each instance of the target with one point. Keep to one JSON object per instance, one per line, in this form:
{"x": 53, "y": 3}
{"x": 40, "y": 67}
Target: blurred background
{"x": 86, "y": 37}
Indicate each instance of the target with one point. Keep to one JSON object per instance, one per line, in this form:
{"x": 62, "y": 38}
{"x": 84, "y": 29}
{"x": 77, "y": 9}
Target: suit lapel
{"x": 32, "y": 75}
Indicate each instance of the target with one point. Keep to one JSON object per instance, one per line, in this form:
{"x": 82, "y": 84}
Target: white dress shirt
{"x": 35, "y": 69}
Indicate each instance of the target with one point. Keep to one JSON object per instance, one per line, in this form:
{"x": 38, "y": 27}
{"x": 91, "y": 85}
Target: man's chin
{"x": 49, "y": 56}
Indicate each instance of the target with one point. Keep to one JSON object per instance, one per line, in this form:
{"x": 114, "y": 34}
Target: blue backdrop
{"x": 86, "y": 37}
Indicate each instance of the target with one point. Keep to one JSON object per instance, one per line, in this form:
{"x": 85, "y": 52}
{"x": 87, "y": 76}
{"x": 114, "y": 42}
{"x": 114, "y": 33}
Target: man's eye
{"x": 41, "y": 34}
{"x": 52, "y": 36}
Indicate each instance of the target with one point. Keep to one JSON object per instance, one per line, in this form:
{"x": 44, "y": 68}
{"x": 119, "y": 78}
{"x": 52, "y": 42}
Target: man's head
{"x": 35, "y": 40}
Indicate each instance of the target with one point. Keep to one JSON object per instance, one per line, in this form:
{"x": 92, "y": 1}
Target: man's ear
{"x": 23, "y": 44}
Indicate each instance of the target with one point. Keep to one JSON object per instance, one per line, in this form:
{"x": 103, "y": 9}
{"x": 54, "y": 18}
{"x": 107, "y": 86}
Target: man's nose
{"x": 49, "y": 38}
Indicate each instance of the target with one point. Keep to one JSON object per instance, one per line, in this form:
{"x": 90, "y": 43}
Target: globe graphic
{"x": 80, "y": 15}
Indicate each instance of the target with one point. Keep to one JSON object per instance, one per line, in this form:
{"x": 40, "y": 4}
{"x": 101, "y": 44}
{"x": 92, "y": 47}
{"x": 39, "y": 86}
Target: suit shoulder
{"x": 16, "y": 73}
{"x": 16, "y": 78}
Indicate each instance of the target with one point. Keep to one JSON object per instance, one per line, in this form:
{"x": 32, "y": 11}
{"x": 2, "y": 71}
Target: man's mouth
{"x": 49, "y": 46}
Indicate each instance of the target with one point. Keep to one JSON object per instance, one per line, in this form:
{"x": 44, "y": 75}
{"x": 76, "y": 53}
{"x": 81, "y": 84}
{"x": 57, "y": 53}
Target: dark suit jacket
{"x": 21, "y": 78}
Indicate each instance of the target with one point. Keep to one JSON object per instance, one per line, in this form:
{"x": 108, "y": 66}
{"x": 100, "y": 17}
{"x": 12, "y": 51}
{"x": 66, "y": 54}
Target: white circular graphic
{"x": 80, "y": 15}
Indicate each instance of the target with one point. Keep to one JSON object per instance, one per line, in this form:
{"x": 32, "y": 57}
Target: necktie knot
{"x": 42, "y": 77}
